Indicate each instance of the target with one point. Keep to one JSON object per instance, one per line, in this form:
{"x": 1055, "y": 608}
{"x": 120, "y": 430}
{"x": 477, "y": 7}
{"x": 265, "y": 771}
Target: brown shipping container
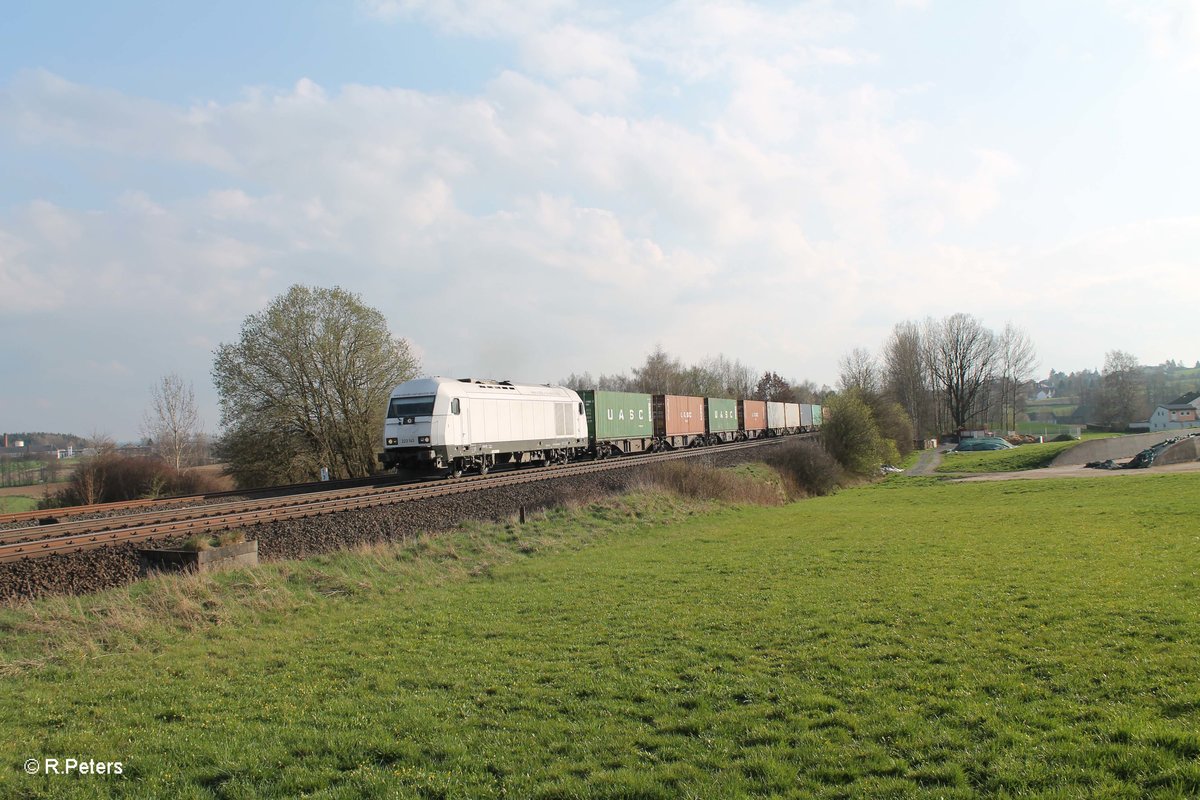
{"x": 675, "y": 415}
{"x": 754, "y": 415}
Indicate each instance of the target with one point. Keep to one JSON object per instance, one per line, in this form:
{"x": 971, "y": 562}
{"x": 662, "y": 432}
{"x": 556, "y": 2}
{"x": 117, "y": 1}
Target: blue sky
{"x": 538, "y": 188}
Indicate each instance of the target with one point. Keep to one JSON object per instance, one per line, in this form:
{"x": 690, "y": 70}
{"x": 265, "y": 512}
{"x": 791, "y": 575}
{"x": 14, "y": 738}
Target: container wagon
{"x": 776, "y": 421}
{"x": 618, "y": 422}
{"x": 722, "y": 417}
{"x": 806, "y": 417}
{"x": 791, "y": 415}
{"x": 752, "y": 418}
{"x": 679, "y": 421}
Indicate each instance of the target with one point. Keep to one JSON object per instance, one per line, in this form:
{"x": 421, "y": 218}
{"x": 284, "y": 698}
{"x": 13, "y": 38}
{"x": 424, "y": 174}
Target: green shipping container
{"x": 722, "y": 415}
{"x": 817, "y": 416}
{"x": 617, "y": 415}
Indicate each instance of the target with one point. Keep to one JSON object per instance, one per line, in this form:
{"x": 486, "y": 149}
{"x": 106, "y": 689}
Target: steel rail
{"x": 104, "y": 524}
{"x": 124, "y": 505}
{"x": 308, "y": 505}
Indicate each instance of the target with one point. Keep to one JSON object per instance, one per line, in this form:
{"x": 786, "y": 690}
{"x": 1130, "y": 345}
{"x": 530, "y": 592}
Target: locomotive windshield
{"x": 410, "y": 407}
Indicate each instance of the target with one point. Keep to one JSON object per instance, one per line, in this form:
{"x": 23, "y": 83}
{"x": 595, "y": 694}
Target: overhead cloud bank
{"x": 714, "y": 177}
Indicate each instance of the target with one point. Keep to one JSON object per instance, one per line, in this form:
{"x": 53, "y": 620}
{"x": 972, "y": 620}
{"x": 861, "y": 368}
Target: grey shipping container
{"x": 806, "y": 416}
{"x": 775, "y": 416}
{"x": 791, "y": 413}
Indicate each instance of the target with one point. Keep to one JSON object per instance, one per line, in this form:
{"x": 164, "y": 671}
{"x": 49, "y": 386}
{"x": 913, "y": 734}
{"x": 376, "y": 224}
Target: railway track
{"x": 133, "y": 505}
{"x": 70, "y": 537}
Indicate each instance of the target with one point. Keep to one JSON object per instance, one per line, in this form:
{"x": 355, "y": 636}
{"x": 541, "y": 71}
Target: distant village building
{"x": 1183, "y": 412}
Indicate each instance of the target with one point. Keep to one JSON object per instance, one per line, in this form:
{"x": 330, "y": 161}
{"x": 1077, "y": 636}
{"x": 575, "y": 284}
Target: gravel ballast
{"x": 105, "y": 567}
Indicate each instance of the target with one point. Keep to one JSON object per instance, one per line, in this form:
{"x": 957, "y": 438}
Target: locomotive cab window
{"x": 454, "y": 406}
{"x": 410, "y": 407}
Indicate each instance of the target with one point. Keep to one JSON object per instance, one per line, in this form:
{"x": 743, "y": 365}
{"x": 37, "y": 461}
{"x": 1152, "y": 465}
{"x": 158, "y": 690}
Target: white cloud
{"x": 486, "y": 18}
{"x": 774, "y": 217}
{"x": 1172, "y": 28}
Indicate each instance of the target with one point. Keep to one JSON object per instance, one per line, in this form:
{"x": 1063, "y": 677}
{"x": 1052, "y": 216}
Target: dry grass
{"x": 807, "y": 469}
{"x": 740, "y": 486}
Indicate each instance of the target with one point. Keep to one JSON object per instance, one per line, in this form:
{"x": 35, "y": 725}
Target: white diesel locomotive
{"x": 465, "y": 424}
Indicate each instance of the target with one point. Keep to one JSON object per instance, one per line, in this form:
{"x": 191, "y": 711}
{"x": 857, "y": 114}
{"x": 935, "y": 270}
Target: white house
{"x": 1184, "y": 412}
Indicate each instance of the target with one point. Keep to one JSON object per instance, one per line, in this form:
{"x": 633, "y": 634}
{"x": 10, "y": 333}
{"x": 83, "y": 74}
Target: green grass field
{"x": 908, "y": 639}
{"x": 16, "y": 503}
{"x": 1026, "y": 456}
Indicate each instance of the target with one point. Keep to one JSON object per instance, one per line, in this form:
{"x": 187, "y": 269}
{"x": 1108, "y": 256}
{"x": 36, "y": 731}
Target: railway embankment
{"x": 117, "y": 564}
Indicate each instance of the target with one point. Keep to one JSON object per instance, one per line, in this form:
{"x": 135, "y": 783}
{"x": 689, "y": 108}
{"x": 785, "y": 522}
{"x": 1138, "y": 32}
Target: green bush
{"x": 851, "y": 435}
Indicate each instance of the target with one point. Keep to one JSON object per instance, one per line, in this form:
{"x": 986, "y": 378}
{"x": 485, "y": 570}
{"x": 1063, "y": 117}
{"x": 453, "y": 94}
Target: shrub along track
{"x": 71, "y": 558}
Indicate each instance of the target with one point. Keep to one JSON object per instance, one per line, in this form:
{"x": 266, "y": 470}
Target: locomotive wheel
{"x": 456, "y": 468}
{"x": 483, "y": 468}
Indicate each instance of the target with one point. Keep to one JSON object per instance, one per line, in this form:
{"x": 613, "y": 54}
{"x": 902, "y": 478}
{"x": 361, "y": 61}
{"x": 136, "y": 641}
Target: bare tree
{"x": 172, "y": 422}
{"x": 1018, "y": 359}
{"x": 725, "y": 377}
{"x": 577, "y": 382}
{"x": 904, "y": 373}
{"x": 1120, "y": 394}
{"x": 963, "y": 363}
{"x": 859, "y": 370}
{"x": 661, "y": 373}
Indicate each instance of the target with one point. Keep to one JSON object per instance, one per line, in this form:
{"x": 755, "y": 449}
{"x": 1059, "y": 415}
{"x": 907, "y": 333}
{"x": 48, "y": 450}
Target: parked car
{"x": 968, "y": 445}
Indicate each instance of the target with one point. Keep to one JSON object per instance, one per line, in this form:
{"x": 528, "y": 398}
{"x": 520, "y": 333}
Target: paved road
{"x": 928, "y": 463}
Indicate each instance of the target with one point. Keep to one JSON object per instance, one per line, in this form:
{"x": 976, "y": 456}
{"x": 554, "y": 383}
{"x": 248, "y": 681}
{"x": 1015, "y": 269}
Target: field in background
{"x": 16, "y": 503}
{"x": 1026, "y": 456}
{"x": 912, "y": 638}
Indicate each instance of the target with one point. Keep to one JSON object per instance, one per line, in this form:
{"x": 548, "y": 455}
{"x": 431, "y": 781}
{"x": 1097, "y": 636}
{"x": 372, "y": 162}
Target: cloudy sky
{"x": 527, "y": 189}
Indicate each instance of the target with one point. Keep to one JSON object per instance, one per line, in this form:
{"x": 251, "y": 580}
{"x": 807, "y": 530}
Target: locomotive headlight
{"x": 422, "y": 440}
{"x": 392, "y": 440}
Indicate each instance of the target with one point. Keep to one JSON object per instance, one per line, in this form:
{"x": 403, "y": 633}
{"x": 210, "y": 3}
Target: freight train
{"x": 456, "y": 425}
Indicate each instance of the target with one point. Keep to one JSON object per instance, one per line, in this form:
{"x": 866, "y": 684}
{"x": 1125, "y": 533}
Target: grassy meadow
{"x": 1026, "y": 456}
{"x": 17, "y": 503}
{"x": 912, "y": 638}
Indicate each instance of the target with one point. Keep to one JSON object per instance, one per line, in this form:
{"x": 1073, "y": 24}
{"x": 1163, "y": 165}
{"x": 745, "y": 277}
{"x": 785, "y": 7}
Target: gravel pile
{"x": 93, "y": 570}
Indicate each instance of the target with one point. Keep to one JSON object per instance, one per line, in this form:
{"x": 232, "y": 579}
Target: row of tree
{"x": 662, "y": 373}
{"x": 1123, "y": 391}
{"x": 305, "y": 386}
{"x": 948, "y": 374}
